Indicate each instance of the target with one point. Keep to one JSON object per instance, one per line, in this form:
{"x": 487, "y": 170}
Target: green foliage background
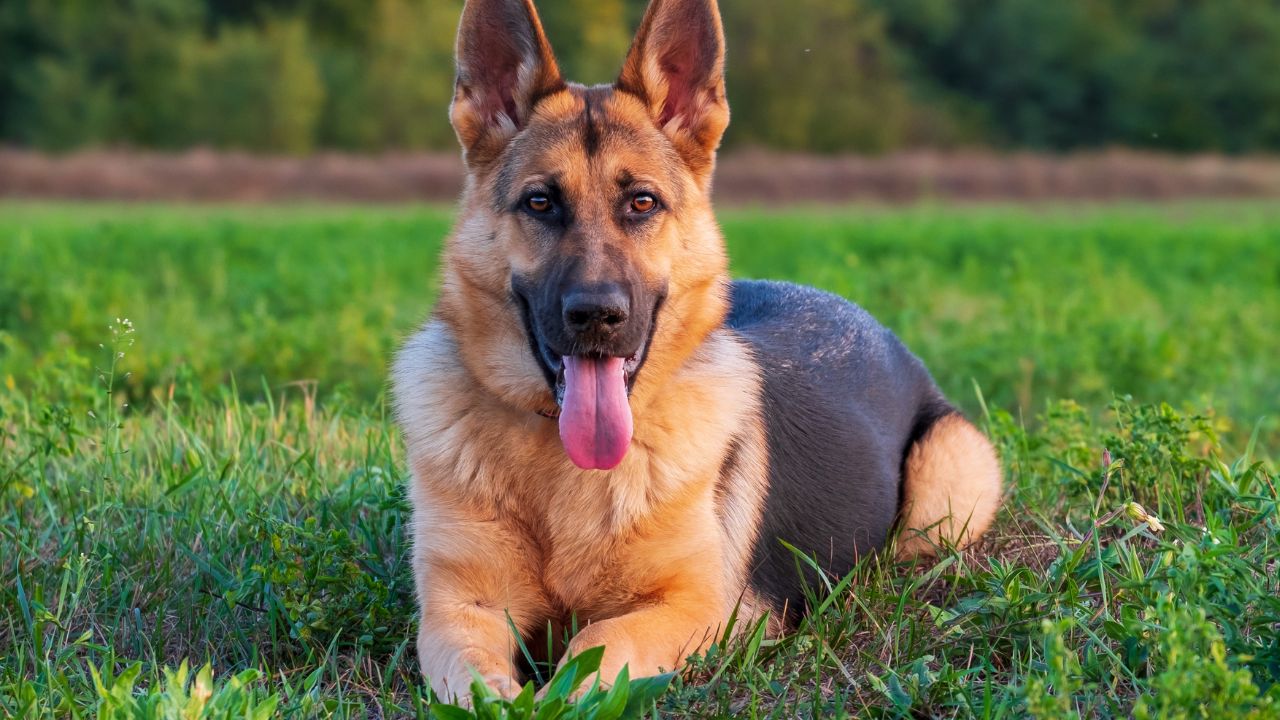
{"x": 816, "y": 75}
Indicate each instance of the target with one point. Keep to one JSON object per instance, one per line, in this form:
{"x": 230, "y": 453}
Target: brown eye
{"x": 643, "y": 203}
{"x": 538, "y": 203}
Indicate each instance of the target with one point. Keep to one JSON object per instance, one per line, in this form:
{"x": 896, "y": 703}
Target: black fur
{"x": 843, "y": 402}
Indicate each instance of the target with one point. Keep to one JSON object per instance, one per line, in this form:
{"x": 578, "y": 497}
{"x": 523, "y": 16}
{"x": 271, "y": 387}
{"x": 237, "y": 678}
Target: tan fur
{"x": 951, "y": 489}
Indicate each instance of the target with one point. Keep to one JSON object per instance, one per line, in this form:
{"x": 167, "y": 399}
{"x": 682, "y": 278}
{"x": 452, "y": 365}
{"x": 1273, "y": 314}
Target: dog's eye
{"x": 539, "y": 203}
{"x": 643, "y": 204}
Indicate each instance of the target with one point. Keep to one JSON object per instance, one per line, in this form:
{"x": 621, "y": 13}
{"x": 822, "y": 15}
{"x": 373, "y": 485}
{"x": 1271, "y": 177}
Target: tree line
{"x": 292, "y": 76}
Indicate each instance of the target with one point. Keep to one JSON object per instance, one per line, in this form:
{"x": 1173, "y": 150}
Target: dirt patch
{"x": 905, "y": 177}
{"x": 743, "y": 177}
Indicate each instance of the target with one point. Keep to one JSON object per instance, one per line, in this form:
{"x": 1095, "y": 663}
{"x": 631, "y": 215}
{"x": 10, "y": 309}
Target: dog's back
{"x": 844, "y": 404}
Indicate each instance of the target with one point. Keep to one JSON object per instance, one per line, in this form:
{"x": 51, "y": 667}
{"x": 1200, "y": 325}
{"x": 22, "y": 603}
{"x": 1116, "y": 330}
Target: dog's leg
{"x": 453, "y": 644}
{"x": 680, "y": 612}
{"x": 951, "y": 488}
{"x": 473, "y": 585}
{"x": 648, "y": 642}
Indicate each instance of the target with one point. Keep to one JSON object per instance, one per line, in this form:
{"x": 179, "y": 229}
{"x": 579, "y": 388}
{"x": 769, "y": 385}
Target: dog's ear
{"x": 676, "y": 67}
{"x": 505, "y": 66}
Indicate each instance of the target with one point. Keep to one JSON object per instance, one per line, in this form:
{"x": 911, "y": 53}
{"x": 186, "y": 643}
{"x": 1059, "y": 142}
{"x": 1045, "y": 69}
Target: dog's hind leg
{"x": 950, "y": 490}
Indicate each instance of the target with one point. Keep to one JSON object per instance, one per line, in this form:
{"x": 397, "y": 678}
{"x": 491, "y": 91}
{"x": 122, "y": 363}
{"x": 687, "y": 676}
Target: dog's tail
{"x": 951, "y": 487}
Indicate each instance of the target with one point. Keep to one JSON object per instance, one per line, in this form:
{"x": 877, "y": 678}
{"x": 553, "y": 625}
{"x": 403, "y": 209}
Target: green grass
{"x": 228, "y": 491}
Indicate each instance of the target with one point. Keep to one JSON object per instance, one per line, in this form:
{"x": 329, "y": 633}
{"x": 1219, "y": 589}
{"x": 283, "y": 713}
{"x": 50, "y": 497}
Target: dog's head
{"x": 586, "y": 242}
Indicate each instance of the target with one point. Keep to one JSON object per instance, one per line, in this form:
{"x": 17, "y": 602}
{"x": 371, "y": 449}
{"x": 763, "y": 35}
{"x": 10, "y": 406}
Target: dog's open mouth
{"x": 630, "y": 366}
{"x": 595, "y": 411}
{"x": 592, "y": 390}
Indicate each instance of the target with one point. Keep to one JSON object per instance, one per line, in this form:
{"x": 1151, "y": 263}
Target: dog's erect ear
{"x": 676, "y": 66}
{"x": 505, "y": 66}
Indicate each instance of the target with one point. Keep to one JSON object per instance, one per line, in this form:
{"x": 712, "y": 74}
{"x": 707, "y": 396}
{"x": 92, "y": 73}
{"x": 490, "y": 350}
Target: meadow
{"x": 202, "y": 513}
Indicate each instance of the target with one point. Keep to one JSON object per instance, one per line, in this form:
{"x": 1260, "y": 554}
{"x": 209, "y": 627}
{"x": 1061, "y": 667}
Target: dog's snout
{"x": 598, "y": 310}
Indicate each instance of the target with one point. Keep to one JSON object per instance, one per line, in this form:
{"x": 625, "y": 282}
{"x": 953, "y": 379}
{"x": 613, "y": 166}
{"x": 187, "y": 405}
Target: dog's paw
{"x": 576, "y": 694}
{"x": 457, "y": 690}
{"x": 504, "y": 686}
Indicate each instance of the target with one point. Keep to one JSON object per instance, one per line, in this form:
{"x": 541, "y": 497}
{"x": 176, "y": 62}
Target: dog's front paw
{"x": 619, "y": 652}
{"x": 583, "y": 685}
{"x": 505, "y": 686}
{"x": 457, "y": 690}
{"x": 452, "y": 677}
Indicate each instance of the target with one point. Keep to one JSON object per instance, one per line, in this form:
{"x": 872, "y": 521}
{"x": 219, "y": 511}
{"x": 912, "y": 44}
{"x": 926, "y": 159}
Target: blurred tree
{"x": 409, "y": 84}
{"x": 822, "y": 75}
{"x": 635, "y": 12}
{"x": 256, "y": 90}
{"x": 90, "y": 72}
{"x": 813, "y": 74}
{"x": 1203, "y": 75}
{"x": 590, "y": 37}
{"x": 63, "y": 106}
{"x": 19, "y": 43}
{"x": 1170, "y": 74}
{"x": 346, "y": 122}
{"x": 330, "y": 22}
{"x": 1044, "y": 73}
{"x": 153, "y": 90}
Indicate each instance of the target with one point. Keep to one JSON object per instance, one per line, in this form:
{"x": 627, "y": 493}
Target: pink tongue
{"x": 595, "y": 419}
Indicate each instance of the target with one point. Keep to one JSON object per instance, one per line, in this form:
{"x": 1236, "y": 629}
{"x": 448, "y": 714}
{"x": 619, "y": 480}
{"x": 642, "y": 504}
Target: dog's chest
{"x": 580, "y": 532}
{"x": 591, "y": 542}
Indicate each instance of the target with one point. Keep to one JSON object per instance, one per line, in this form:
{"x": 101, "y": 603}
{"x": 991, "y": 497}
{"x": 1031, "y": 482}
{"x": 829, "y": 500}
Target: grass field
{"x": 217, "y": 480}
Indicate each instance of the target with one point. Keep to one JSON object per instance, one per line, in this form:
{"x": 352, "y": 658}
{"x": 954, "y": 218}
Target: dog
{"x": 604, "y": 432}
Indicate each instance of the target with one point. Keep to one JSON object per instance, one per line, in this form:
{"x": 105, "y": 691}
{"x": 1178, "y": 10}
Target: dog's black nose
{"x": 600, "y": 310}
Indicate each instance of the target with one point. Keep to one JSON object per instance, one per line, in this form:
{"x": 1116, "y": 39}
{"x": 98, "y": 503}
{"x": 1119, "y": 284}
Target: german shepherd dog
{"x": 604, "y": 432}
